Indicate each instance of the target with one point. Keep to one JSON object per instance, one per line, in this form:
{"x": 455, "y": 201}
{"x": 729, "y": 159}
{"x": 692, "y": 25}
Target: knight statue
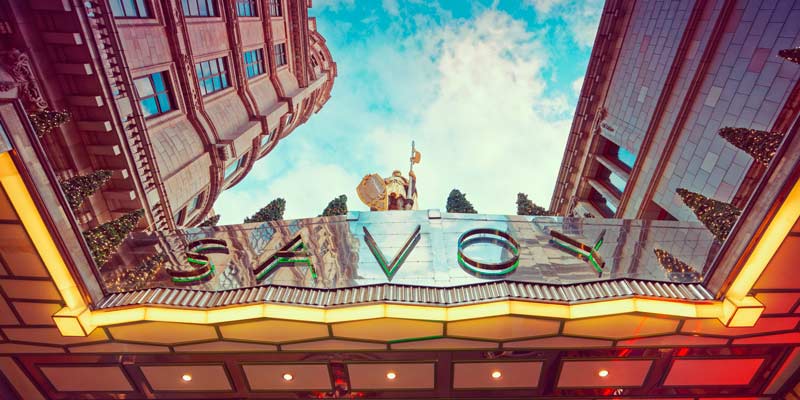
{"x": 393, "y": 193}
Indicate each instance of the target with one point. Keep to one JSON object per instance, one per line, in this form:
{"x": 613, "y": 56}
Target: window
{"x": 289, "y": 119}
{"x": 235, "y": 166}
{"x": 196, "y": 202}
{"x": 280, "y": 54}
{"x": 254, "y": 62}
{"x": 604, "y": 206}
{"x": 129, "y": 8}
{"x": 154, "y": 94}
{"x": 212, "y": 75}
{"x": 626, "y": 157}
{"x": 267, "y": 138}
{"x": 199, "y": 8}
{"x": 246, "y": 8}
{"x": 617, "y": 182}
{"x": 179, "y": 216}
{"x": 275, "y": 8}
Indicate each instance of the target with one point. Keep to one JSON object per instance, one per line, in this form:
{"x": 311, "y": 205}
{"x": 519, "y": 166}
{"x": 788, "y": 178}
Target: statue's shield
{"x": 372, "y": 192}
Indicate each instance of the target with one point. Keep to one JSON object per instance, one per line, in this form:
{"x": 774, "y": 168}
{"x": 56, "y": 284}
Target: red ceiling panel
{"x": 732, "y": 371}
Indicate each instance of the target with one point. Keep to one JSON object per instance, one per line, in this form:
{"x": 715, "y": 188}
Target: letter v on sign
{"x": 390, "y": 269}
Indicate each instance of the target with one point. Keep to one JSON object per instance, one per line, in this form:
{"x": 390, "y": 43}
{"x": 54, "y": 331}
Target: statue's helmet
{"x": 397, "y": 173}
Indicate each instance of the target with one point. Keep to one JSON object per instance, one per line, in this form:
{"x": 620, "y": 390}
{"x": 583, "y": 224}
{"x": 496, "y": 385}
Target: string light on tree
{"x": 675, "y": 269}
{"x": 78, "y": 188}
{"x": 761, "y": 145}
{"x": 104, "y": 239}
{"x": 45, "y": 121}
{"x": 719, "y": 217}
{"x": 792, "y": 55}
{"x": 138, "y": 277}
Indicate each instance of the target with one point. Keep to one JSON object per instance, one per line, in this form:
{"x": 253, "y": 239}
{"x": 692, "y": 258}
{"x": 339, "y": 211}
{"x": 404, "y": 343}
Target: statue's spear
{"x": 415, "y": 157}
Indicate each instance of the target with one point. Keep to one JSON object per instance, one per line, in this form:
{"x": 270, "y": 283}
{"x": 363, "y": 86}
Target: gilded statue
{"x": 395, "y": 192}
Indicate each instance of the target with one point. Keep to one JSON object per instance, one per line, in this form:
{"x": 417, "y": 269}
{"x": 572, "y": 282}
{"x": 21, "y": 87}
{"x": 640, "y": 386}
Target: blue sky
{"x": 487, "y": 89}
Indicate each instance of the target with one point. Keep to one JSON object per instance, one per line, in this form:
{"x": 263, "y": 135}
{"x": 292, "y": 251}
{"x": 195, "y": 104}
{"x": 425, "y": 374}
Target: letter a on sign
{"x": 291, "y": 254}
{"x": 390, "y": 269}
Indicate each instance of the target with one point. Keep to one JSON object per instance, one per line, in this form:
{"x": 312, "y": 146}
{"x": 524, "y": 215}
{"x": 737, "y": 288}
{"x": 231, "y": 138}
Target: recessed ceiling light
{"x": 287, "y": 376}
{"x": 496, "y": 374}
{"x": 602, "y": 373}
{"x": 391, "y": 376}
{"x": 186, "y": 377}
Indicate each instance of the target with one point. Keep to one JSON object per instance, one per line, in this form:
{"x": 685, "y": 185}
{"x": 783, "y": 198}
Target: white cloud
{"x": 577, "y": 84}
{"x": 391, "y": 7}
{"x": 307, "y": 186}
{"x": 470, "y": 92}
{"x": 580, "y": 16}
{"x": 491, "y": 129}
{"x": 544, "y": 6}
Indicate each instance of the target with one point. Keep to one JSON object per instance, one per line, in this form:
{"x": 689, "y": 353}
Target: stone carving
{"x": 19, "y": 66}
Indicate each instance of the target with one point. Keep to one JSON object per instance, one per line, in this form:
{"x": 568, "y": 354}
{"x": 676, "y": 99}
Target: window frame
{"x": 257, "y": 63}
{"x": 268, "y": 138}
{"x": 602, "y": 204}
{"x": 222, "y": 72}
{"x": 139, "y": 5}
{"x": 252, "y": 5}
{"x": 617, "y": 157}
{"x": 196, "y": 202}
{"x": 156, "y": 95}
{"x": 237, "y": 166}
{"x": 280, "y": 53}
{"x": 212, "y": 8}
{"x": 180, "y": 216}
{"x": 275, "y": 8}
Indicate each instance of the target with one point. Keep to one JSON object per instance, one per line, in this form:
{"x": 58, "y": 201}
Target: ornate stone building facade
{"x": 663, "y": 79}
{"x": 177, "y": 98}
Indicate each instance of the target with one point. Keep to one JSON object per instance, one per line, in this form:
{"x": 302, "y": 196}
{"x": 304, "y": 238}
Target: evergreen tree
{"x": 139, "y": 276}
{"x": 211, "y": 221}
{"x": 271, "y": 212}
{"x": 792, "y": 55}
{"x": 759, "y": 144}
{"x": 677, "y": 270}
{"x": 717, "y": 216}
{"x": 337, "y": 206}
{"x": 528, "y": 207}
{"x": 104, "y": 239}
{"x": 45, "y": 121}
{"x": 457, "y": 203}
{"x": 78, "y": 188}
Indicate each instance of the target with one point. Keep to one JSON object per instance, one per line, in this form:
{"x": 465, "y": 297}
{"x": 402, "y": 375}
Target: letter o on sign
{"x": 494, "y": 236}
